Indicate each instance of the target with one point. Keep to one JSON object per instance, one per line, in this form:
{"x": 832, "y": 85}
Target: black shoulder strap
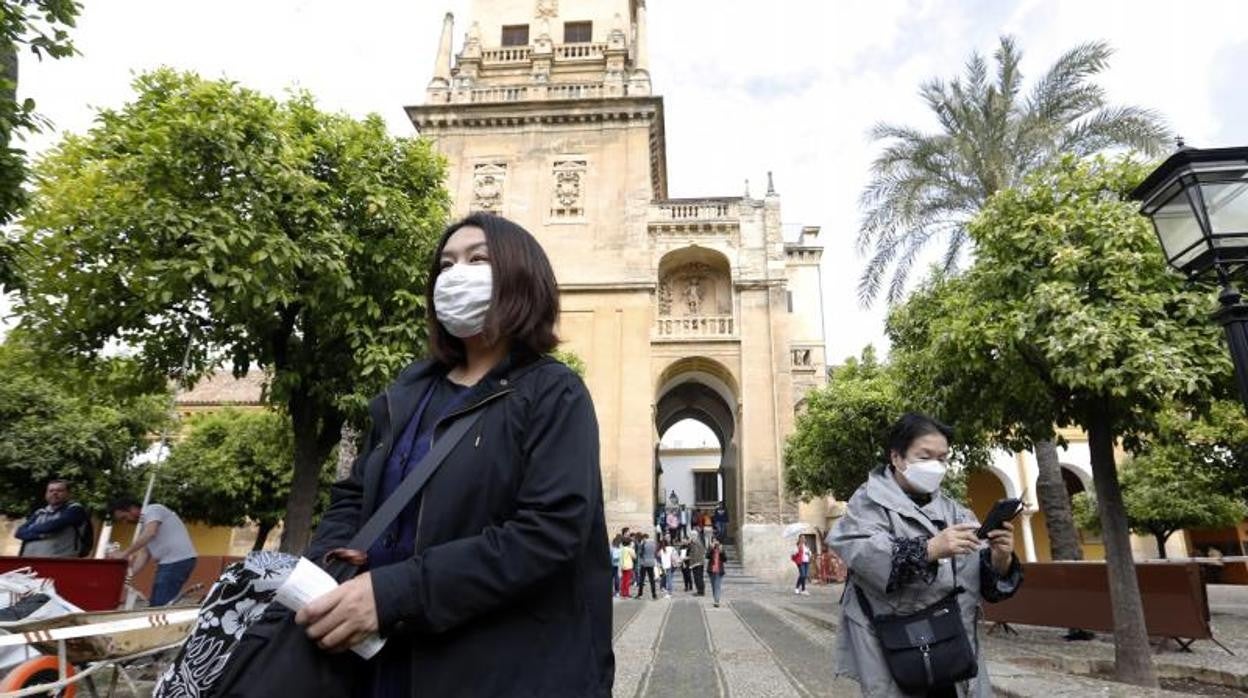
{"x": 413, "y": 483}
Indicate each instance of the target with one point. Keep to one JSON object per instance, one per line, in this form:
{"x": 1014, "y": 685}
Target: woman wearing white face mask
{"x": 913, "y": 554}
{"x": 496, "y": 578}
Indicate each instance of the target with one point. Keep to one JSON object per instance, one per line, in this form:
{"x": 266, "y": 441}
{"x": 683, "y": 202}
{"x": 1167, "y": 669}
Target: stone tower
{"x": 681, "y": 308}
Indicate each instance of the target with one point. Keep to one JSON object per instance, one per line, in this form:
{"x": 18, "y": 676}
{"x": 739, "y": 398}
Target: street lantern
{"x": 1198, "y": 203}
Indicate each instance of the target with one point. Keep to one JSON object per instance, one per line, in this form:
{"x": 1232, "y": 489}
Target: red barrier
{"x": 93, "y": 585}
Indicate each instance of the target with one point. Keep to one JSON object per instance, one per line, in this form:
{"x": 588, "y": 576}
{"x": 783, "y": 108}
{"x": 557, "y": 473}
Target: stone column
{"x": 438, "y": 91}
{"x": 1029, "y": 541}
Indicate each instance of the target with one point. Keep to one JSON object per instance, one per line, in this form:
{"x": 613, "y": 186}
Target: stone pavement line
{"x": 748, "y": 667}
{"x": 683, "y": 665}
{"x": 636, "y": 644}
{"x": 807, "y": 662}
{"x": 622, "y": 614}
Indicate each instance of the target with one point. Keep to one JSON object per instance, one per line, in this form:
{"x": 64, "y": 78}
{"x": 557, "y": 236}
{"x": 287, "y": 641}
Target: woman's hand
{"x": 958, "y": 539}
{"x": 1001, "y": 541}
{"x": 342, "y": 618}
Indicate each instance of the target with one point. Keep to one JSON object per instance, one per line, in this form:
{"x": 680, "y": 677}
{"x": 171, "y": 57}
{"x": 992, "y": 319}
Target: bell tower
{"x": 680, "y": 308}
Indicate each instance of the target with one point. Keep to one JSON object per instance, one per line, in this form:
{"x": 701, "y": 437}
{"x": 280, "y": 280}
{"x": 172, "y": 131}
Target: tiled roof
{"x": 222, "y": 388}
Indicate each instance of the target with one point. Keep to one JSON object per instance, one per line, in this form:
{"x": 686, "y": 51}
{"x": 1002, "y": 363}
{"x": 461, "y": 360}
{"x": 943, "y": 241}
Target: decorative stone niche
{"x": 488, "y": 182}
{"x": 568, "y": 190}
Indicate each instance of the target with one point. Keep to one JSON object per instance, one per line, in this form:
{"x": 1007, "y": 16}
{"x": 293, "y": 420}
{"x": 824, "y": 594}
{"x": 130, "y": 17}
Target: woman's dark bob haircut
{"x": 911, "y": 426}
{"x": 524, "y": 305}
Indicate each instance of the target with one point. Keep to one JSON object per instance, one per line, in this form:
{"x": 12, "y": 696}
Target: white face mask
{"x": 925, "y": 475}
{"x": 461, "y": 298}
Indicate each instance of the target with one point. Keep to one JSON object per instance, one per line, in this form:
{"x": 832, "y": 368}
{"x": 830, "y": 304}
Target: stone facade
{"x": 681, "y": 308}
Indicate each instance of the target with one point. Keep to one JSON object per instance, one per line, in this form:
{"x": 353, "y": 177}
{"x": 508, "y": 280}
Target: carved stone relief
{"x": 487, "y": 187}
{"x": 547, "y": 8}
{"x": 569, "y": 189}
{"x": 702, "y": 290}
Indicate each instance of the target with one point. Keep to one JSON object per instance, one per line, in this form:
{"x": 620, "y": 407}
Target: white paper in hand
{"x": 307, "y": 582}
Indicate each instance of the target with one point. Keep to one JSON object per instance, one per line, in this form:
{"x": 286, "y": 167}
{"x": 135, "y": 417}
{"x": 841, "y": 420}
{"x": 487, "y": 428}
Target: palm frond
{"x": 925, "y": 186}
{"x": 1064, "y": 93}
{"x": 1118, "y": 127}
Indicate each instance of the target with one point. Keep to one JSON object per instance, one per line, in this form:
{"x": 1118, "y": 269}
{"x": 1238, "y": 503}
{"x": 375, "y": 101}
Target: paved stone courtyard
{"x": 764, "y": 641}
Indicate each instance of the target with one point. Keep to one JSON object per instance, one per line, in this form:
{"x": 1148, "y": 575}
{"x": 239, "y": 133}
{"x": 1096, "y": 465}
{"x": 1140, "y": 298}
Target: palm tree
{"x": 926, "y": 186}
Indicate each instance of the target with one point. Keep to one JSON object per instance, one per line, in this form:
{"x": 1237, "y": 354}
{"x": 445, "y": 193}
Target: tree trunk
{"x": 1161, "y": 543}
{"x": 1055, "y": 503}
{"x": 262, "y": 534}
{"x": 310, "y": 454}
{"x": 1133, "y": 660}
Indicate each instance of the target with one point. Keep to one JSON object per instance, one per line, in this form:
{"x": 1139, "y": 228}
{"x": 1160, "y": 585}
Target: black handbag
{"x": 275, "y": 657}
{"x": 928, "y": 648}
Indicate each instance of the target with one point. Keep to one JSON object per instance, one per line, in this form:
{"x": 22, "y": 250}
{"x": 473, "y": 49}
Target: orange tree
{"x": 1068, "y": 316}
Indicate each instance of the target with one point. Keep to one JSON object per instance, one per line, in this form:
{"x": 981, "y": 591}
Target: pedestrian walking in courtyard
{"x": 628, "y": 561}
{"x": 647, "y": 558}
{"x": 686, "y": 572}
{"x": 716, "y": 558}
{"x": 667, "y": 558}
{"x": 615, "y": 566}
{"x": 673, "y": 523}
{"x": 720, "y": 520}
{"x": 912, "y": 552}
{"x": 504, "y": 554}
{"x": 801, "y": 558}
{"x": 163, "y": 539}
{"x": 697, "y": 560}
{"x": 60, "y": 528}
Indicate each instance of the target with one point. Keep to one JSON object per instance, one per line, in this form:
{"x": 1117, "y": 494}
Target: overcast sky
{"x": 749, "y": 87}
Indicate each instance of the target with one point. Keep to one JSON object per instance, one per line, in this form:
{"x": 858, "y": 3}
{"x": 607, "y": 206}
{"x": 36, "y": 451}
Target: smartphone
{"x": 1002, "y": 511}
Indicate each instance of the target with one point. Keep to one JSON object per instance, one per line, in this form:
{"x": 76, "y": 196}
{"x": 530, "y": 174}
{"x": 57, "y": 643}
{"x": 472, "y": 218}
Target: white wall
{"x": 679, "y": 467}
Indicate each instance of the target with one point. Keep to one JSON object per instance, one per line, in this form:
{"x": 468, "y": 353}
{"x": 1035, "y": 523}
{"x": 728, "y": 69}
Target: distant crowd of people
{"x": 638, "y": 558}
{"x": 63, "y": 528}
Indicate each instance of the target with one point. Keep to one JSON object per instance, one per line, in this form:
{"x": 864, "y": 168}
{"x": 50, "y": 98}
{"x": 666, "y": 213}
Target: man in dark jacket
{"x": 59, "y": 529}
{"x": 509, "y": 588}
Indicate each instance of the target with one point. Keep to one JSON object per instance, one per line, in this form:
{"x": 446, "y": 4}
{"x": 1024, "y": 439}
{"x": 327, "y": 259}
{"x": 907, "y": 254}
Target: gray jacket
{"x": 878, "y": 513}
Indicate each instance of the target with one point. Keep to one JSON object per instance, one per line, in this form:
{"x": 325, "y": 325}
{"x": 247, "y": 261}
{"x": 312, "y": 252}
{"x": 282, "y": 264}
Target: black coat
{"x": 509, "y": 590}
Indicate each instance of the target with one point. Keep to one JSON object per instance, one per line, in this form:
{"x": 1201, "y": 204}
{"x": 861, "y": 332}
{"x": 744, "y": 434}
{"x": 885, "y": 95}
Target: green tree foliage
{"x": 1165, "y": 489}
{"x": 843, "y": 431}
{"x": 78, "y": 420}
{"x": 39, "y": 26}
{"x": 572, "y": 360}
{"x": 262, "y": 233}
{"x": 842, "y": 434}
{"x": 926, "y": 187}
{"x": 1069, "y": 317}
{"x": 232, "y": 467}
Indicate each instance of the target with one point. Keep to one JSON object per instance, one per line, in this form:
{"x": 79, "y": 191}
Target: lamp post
{"x": 1198, "y": 202}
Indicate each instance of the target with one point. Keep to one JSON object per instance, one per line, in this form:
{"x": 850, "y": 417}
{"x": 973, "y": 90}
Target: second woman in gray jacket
{"x": 900, "y": 538}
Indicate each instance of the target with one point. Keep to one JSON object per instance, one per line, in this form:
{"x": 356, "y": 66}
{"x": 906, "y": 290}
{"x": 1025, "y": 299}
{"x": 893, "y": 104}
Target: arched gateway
{"x": 679, "y": 307}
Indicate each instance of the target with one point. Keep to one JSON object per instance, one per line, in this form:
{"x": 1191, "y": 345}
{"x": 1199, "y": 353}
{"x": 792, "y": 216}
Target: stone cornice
{"x": 647, "y": 286}
{"x": 430, "y": 119}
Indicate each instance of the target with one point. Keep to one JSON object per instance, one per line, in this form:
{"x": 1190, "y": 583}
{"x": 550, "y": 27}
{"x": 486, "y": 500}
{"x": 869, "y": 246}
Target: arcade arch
{"x": 703, "y": 390}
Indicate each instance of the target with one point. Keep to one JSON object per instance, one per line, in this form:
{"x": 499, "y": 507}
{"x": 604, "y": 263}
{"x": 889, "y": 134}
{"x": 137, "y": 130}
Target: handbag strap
{"x": 413, "y": 483}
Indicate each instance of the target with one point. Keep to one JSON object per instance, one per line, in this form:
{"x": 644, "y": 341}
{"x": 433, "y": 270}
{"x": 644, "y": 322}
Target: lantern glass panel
{"x": 1179, "y": 230}
{"x": 1227, "y": 204}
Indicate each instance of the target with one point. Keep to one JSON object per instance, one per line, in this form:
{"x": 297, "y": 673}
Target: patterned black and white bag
{"x": 238, "y": 599}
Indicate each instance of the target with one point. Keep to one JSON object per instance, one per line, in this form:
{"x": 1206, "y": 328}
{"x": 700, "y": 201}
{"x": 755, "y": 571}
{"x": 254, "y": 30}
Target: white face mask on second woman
{"x": 461, "y": 298}
{"x": 925, "y": 475}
